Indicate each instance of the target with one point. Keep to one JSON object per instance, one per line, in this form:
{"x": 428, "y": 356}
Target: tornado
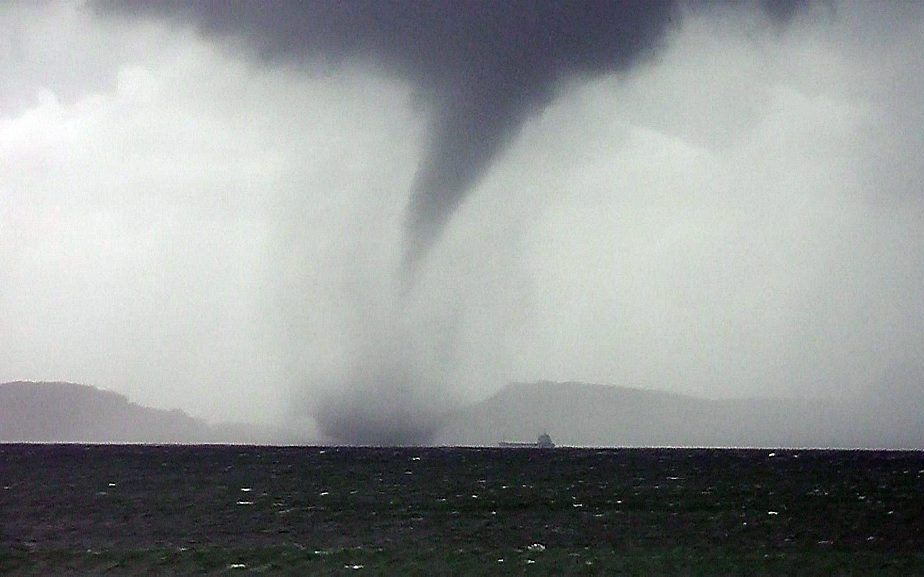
{"x": 483, "y": 68}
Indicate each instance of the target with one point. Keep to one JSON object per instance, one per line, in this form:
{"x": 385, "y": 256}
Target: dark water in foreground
{"x": 71, "y": 509}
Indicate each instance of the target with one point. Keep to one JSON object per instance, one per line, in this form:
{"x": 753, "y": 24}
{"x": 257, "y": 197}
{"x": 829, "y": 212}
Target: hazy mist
{"x": 369, "y": 213}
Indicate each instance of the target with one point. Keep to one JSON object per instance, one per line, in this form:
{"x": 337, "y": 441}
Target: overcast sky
{"x": 197, "y": 220}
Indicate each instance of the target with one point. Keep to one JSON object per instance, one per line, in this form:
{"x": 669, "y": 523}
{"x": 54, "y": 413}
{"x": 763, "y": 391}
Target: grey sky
{"x": 482, "y": 68}
{"x": 738, "y": 214}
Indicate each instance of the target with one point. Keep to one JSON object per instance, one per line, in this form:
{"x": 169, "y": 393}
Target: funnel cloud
{"x": 483, "y": 66}
{"x": 361, "y": 215}
{"x": 483, "y": 69}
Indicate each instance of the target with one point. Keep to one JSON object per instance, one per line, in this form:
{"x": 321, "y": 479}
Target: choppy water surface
{"x": 227, "y": 508}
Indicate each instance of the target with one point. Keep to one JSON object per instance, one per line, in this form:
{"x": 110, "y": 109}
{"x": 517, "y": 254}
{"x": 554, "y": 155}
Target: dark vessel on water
{"x": 543, "y": 442}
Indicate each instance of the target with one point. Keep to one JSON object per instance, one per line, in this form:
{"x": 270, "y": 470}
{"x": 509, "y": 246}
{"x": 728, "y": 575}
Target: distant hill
{"x": 575, "y": 414}
{"x": 582, "y": 414}
{"x": 43, "y": 412}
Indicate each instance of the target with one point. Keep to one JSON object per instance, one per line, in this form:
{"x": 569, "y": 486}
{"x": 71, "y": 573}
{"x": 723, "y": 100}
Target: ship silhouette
{"x": 544, "y": 441}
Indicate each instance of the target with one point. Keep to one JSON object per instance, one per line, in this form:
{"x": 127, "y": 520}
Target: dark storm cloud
{"x": 208, "y": 208}
{"x": 483, "y": 66}
{"x": 781, "y": 11}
